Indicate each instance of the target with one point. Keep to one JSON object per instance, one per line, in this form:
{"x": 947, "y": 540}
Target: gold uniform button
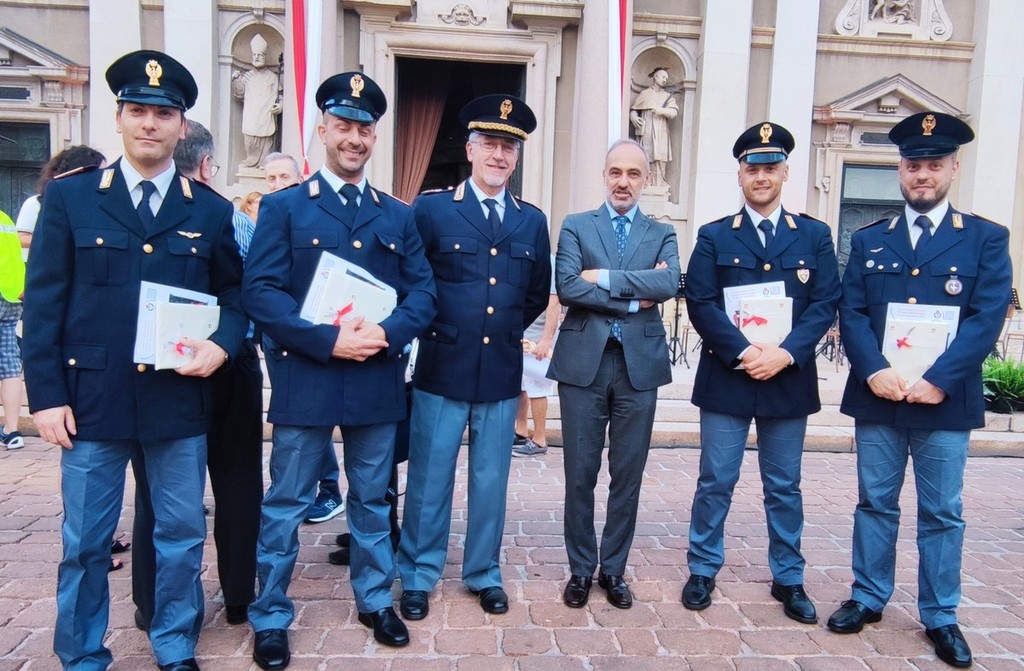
{"x": 801, "y": 262}
{"x": 284, "y": 353}
{"x": 357, "y": 244}
{"x": 952, "y": 269}
{"x": 458, "y": 246}
{"x": 767, "y": 266}
{"x": 487, "y": 340}
{"x": 141, "y": 368}
{"x": 915, "y": 272}
{"x": 392, "y": 246}
{"x": 99, "y": 241}
{"x": 72, "y": 362}
{"x": 494, "y": 252}
{"x": 194, "y": 250}
{"x": 490, "y": 309}
{"x": 148, "y": 248}
{"x": 735, "y": 260}
{"x": 912, "y": 300}
{"x": 316, "y": 241}
{"x": 493, "y": 281}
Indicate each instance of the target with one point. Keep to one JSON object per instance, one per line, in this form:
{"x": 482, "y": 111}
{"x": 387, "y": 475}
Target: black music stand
{"x": 676, "y": 348}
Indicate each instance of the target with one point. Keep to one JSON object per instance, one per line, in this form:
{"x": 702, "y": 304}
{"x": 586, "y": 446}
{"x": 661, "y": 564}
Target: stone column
{"x": 114, "y": 30}
{"x": 989, "y": 165}
{"x": 190, "y": 37}
{"x": 794, "y": 52}
{"x": 723, "y": 71}
{"x": 592, "y": 107}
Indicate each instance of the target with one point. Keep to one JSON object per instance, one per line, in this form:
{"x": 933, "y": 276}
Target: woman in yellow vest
{"x": 12, "y": 286}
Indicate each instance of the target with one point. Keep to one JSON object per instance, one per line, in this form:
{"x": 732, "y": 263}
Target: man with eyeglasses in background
{"x": 490, "y": 253}
{"x": 234, "y": 455}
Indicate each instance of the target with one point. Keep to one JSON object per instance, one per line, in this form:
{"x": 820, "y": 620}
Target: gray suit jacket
{"x": 587, "y": 241}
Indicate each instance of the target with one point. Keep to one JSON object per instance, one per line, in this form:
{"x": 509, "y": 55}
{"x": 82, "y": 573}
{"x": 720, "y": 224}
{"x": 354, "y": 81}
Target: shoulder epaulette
{"x": 460, "y": 193}
{"x": 314, "y": 188}
{"x": 984, "y": 218}
{"x": 381, "y": 194}
{"x": 429, "y": 192}
{"x": 206, "y": 187}
{"x": 186, "y": 187}
{"x": 76, "y": 171}
{"x": 812, "y": 218}
{"x": 107, "y": 179}
{"x": 736, "y": 221}
{"x": 876, "y": 223}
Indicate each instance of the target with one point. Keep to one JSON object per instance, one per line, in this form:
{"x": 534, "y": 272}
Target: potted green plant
{"x": 1003, "y": 385}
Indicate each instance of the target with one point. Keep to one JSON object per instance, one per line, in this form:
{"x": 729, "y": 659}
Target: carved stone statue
{"x": 650, "y": 114}
{"x": 258, "y": 89}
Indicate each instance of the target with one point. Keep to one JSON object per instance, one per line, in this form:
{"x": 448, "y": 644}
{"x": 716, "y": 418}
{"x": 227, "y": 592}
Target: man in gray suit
{"x": 614, "y": 266}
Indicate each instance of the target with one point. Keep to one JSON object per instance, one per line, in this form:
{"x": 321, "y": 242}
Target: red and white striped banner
{"x": 307, "y": 36}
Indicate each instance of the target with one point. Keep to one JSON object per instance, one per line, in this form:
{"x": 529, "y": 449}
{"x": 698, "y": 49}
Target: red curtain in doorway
{"x": 423, "y": 97}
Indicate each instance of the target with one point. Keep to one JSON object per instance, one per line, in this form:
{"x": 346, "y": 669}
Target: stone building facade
{"x": 837, "y": 73}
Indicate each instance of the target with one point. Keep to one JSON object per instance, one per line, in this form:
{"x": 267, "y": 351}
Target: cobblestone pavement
{"x": 744, "y": 630}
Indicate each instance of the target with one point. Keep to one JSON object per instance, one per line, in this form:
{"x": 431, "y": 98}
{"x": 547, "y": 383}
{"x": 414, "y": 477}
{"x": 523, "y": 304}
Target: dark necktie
{"x": 492, "y": 216}
{"x": 769, "y": 233}
{"x": 925, "y": 224}
{"x": 620, "y": 248}
{"x": 144, "y": 209}
{"x": 351, "y": 194}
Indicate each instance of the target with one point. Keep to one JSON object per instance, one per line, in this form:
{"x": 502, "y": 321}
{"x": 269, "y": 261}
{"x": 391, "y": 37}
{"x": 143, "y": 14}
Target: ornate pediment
{"x": 876, "y": 108}
{"x": 32, "y": 73}
{"x": 914, "y": 19}
{"x": 885, "y": 101}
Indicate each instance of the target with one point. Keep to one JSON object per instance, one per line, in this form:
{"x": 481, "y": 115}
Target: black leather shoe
{"x": 851, "y": 617}
{"x": 950, "y": 645}
{"x": 697, "y": 592}
{"x": 618, "y": 591}
{"x": 795, "y": 603}
{"x": 140, "y": 621}
{"x": 339, "y": 557}
{"x": 387, "y": 627}
{"x": 414, "y": 604}
{"x": 183, "y": 665}
{"x": 271, "y": 649}
{"x": 577, "y": 591}
{"x": 236, "y": 614}
{"x": 343, "y": 540}
{"x": 493, "y": 600}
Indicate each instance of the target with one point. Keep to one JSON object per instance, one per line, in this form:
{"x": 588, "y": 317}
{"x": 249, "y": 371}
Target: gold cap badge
{"x": 506, "y": 109}
{"x": 155, "y": 72}
{"x": 928, "y": 123}
{"x": 357, "y": 84}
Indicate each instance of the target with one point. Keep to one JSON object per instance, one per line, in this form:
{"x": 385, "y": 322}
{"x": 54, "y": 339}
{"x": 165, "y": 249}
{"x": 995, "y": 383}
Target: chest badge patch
{"x": 190, "y": 235}
{"x": 954, "y": 286}
{"x": 803, "y": 274}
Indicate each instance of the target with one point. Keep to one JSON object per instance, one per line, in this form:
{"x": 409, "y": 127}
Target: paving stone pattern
{"x": 744, "y": 630}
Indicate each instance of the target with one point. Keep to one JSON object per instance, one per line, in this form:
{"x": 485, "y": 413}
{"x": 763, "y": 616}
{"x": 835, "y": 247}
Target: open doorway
{"x": 430, "y": 150}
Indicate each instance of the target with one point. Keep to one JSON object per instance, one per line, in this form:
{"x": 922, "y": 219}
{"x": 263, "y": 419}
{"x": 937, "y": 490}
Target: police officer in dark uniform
{"x": 350, "y": 375}
{"x": 490, "y": 253}
{"x": 775, "y": 385}
{"x": 932, "y": 255}
{"x": 100, "y": 234}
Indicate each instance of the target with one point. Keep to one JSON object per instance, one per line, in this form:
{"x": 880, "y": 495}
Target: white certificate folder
{"x": 916, "y": 335}
{"x": 167, "y": 315}
{"x": 342, "y": 290}
{"x": 766, "y": 320}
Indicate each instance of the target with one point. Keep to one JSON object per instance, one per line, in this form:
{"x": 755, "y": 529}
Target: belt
{"x": 612, "y": 345}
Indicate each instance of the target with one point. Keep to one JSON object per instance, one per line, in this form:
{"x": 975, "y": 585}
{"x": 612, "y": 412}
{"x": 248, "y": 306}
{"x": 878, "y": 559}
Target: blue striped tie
{"x": 620, "y": 247}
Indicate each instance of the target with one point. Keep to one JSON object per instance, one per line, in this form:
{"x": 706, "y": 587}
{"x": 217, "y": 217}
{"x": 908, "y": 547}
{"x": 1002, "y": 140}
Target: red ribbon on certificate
{"x": 342, "y": 312}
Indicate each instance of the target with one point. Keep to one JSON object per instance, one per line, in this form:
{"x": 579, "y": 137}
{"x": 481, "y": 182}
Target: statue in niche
{"x": 892, "y": 11}
{"x": 650, "y": 114}
{"x": 259, "y": 89}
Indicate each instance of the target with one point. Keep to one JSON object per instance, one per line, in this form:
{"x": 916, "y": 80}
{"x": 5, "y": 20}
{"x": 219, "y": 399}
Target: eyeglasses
{"x": 492, "y": 147}
{"x": 214, "y": 166}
